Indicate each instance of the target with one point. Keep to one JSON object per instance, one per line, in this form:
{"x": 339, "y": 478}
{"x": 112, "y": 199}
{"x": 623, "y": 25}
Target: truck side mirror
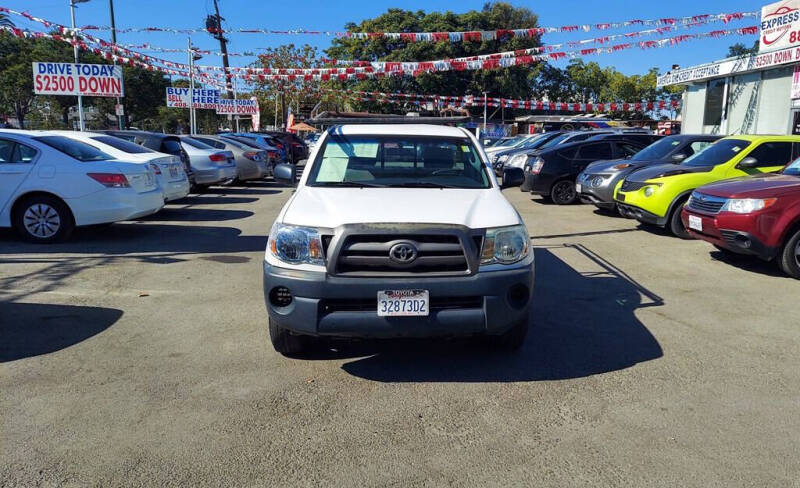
{"x": 748, "y": 162}
{"x": 512, "y": 177}
{"x": 285, "y": 174}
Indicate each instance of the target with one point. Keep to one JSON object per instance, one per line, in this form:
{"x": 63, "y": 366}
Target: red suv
{"x": 759, "y": 216}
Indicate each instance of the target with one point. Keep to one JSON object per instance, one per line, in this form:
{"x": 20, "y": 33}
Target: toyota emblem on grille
{"x": 403, "y": 253}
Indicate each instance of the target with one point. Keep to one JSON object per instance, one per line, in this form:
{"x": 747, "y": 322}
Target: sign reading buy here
{"x": 95, "y": 80}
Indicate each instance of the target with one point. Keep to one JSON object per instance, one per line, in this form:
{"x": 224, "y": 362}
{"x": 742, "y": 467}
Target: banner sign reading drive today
{"x": 237, "y": 107}
{"x": 95, "y": 80}
{"x": 780, "y": 25}
{"x": 201, "y": 98}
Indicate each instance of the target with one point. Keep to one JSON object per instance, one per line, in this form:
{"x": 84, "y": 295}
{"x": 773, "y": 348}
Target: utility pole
{"x": 82, "y": 124}
{"x": 191, "y": 84}
{"x": 214, "y": 24}
{"x": 120, "y": 118}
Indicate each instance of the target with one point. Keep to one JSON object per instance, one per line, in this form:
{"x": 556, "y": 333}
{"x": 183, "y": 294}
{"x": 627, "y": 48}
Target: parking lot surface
{"x": 137, "y": 354}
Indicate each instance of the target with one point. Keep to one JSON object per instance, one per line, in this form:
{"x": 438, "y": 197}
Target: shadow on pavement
{"x": 582, "y": 323}
{"x": 751, "y": 264}
{"x": 202, "y": 199}
{"x": 31, "y": 329}
{"x": 177, "y": 214}
{"x": 255, "y": 190}
{"x": 143, "y": 237}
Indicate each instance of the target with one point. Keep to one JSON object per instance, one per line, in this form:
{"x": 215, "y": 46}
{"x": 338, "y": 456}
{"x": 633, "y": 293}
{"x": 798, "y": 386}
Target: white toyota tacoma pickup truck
{"x": 396, "y": 231}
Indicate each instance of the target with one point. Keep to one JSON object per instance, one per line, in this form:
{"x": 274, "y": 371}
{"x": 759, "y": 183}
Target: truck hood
{"x": 661, "y": 170}
{"x": 332, "y": 207}
{"x": 767, "y": 185}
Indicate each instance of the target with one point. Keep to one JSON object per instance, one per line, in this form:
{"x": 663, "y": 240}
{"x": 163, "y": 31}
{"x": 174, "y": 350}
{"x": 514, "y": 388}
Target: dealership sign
{"x": 200, "y": 98}
{"x": 732, "y": 66}
{"x": 95, "y": 80}
{"x": 780, "y": 25}
{"x": 228, "y": 106}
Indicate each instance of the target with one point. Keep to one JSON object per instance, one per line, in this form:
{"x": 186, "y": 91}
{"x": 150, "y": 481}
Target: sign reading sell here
{"x": 780, "y": 25}
{"x": 200, "y": 98}
{"x": 94, "y": 80}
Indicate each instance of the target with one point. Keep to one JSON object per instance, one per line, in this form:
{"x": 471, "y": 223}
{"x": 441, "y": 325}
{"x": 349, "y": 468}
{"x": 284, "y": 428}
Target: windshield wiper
{"x": 422, "y": 184}
{"x": 351, "y": 184}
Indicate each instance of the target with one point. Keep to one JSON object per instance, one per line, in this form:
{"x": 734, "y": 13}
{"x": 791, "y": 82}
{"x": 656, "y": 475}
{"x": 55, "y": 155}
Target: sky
{"x": 334, "y": 14}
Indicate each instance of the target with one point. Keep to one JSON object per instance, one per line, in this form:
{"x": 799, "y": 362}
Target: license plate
{"x": 173, "y": 172}
{"x": 696, "y": 223}
{"x": 402, "y": 303}
{"x": 578, "y": 187}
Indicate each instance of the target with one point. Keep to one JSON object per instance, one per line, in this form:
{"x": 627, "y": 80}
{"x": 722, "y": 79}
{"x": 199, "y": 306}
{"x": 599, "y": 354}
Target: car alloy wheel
{"x": 41, "y": 220}
{"x": 797, "y": 254}
{"x": 563, "y": 193}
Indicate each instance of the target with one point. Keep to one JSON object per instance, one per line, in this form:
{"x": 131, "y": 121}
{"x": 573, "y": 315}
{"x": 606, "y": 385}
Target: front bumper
{"x": 601, "y": 196}
{"x": 728, "y": 232}
{"x": 640, "y": 214}
{"x": 325, "y": 305}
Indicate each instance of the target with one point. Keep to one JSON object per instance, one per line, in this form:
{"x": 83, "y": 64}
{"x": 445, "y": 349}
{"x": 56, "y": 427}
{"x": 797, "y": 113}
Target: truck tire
{"x": 513, "y": 338}
{"x": 789, "y": 258}
{"x": 285, "y": 342}
{"x": 42, "y": 219}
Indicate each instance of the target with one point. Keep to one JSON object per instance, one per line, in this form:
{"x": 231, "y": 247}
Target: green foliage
{"x": 740, "y": 49}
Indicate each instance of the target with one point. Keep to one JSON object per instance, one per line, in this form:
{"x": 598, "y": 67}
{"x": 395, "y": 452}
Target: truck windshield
{"x": 718, "y": 153}
{"x": 399, "y": 161}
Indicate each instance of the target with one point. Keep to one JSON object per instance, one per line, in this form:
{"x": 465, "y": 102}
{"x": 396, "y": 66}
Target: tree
{"x": 508, "y": 82}
{"x": 740, "y": 49}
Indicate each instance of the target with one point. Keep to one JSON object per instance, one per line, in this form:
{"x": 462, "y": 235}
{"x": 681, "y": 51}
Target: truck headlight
{"x": 296, "y": 245}
{"x": 505, "y": 245}
{"x": 747, "y": 205}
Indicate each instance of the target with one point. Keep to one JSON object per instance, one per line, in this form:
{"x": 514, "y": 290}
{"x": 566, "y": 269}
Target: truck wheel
{"x": 789, "y": 258}
{"x": 563, "y": 192}
{"x": 675, "y": 223}
{"x": 285, "y": 342}
{"x": 43, "y": 219}
{"x": 512, "y": 339}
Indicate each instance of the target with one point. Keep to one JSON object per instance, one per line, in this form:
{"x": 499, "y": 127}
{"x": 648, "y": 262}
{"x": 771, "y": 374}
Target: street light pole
{"x": 120, "y": 118}
{"x": 82, "y": 124}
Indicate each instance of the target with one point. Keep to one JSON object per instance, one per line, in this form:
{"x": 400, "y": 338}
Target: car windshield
{"x": 793, "y": 168}
{"x": 394, "y": 161}
{"x": 122, "y": 145}
{"x": 77, "y": 149}
{"x": 195, "y": 143}
{"x": 555, "y": 141}
{"x": 717, "y": 153}
{"x": 657, "y": 150}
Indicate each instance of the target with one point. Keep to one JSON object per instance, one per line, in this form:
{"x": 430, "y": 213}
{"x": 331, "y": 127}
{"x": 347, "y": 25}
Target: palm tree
{"x": 5, "y": 21}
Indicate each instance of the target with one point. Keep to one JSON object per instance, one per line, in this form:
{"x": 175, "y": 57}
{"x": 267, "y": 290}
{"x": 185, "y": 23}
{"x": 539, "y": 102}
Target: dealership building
{"x": 751, "y": 94}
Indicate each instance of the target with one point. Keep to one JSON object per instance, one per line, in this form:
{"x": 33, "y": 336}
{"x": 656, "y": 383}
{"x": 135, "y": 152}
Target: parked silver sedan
{"x": 211, "y": 166}
{"x": 251, "y": 164}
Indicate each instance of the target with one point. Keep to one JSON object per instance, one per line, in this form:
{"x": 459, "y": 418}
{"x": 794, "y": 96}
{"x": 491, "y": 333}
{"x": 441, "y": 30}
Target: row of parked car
{"x": 740, "y": 193}
{"x": 53, "y": 181}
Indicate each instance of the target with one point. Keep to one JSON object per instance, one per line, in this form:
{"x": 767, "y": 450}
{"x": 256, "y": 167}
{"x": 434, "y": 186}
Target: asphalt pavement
{"x": 137, "y": 354}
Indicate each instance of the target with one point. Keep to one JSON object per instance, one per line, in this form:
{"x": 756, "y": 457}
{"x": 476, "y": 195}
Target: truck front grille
{"x": 372, "y": 254}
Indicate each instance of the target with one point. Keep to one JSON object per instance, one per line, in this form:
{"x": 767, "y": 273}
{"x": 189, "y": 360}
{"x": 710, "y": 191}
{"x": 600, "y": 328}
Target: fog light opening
{"x": 518, "y": 296}
{"x": 743, "y": 241}
{"x": 280, "y": 296}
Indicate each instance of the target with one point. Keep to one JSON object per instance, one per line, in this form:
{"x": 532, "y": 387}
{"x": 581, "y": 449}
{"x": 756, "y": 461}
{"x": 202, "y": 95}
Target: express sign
{"x": 780, "y": 25}
{"x": 96, "y": 80}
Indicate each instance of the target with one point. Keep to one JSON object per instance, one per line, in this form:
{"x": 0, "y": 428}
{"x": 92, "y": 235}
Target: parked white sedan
{"x": 169, "y": 171}
{"x": 50, "y": 183}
